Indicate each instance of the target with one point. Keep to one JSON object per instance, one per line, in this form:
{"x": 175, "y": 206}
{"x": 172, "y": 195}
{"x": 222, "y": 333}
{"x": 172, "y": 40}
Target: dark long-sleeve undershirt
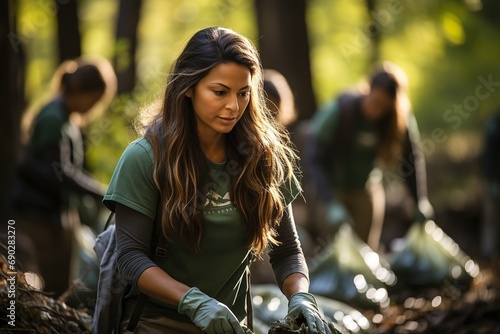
{"x": 134, "y": 231}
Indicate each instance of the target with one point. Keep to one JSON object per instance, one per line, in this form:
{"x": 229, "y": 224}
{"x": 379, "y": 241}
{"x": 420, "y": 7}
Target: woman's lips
{"x": 228, "y": 120}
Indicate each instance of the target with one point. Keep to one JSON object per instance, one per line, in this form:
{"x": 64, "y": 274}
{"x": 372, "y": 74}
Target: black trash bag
{"x": 271, "y": 306}
{"x": 429, "y": 257}
{"x": 348, "y": 270}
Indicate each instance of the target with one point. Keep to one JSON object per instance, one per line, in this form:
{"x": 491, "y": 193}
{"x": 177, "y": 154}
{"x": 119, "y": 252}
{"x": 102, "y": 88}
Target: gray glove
{"x": 208, "y": 314}
{"x": 302, "y": 307}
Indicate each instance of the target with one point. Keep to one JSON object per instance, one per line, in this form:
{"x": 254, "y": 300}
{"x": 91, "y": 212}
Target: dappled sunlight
{"x": 427, "y": 274}
{"x": 452, "y": 29}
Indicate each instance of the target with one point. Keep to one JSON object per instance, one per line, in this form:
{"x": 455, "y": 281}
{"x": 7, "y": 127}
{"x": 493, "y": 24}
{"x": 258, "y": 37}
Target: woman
{"x": 222, "y": 171}
{"x": 51, "y": 174}
{"x": 356, "y": 138}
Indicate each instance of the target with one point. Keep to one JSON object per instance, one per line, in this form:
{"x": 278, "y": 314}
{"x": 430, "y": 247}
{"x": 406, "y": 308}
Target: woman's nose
{"x": 232, "y": 103}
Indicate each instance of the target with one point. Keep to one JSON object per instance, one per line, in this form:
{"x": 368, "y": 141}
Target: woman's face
{"x": 220, "y": 98}
{"x": 377, "y": 104}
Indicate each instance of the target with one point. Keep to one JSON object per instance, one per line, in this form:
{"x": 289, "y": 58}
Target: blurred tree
{"x": 69, "y": 40}
{"x": 374, "y": 30}
{"x": 126, "y": 44}
{"x": 12, "y": 96}
{"x": 284, "y": 46}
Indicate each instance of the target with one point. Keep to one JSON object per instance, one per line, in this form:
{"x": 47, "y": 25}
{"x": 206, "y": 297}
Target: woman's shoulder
{"x": 324, "y": 120}
{"x": 53, "y": 111}
{"x": 139, "y": 149}
{"x": 332, "y": 108}
{"x": 349, "y": 97}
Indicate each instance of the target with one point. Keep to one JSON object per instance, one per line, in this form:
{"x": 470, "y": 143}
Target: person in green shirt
{"x": 355, "y": 139}
{"x": 51, "y": 175}
{"x": 223, "y": 172}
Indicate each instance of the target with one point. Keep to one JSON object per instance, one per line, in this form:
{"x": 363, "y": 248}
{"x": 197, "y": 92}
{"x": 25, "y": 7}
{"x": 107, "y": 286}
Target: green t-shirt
{"x": 51, "y": 128}
{"x": 221, "y": 269}
{"x": 47, "y": 128}
{"x": 350, "y": 168}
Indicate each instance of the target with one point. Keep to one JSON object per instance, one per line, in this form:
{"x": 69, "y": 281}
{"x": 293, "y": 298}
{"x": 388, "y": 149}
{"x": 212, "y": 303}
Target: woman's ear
{"x": 189, "y": 93}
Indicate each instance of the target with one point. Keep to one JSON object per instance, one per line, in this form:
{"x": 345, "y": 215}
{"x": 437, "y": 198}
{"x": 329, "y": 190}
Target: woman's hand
{"x": 302, "y": 308}
{"x": 208, "y": 314}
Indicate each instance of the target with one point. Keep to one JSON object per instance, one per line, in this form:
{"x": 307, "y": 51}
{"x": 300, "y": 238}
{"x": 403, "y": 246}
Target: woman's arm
{"x": 157, "y": 283}
{"x": 413, "y": 169}
{"x": 294, "y": 283}
{"x": 133, "y": 231}
{"x": 287, "y": 258}
{"x": 292, "y": 276}
{"x": 412, "y": 163}
{"x": 75, "y": 177}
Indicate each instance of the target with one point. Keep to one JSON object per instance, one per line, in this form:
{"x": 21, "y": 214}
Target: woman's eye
{"x": 245, "y": 93}
{"x": 219, "y": 92}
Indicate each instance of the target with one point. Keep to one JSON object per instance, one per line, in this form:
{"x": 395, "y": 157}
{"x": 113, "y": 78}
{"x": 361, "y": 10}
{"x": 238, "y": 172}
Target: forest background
{"x": 449, "y": 49}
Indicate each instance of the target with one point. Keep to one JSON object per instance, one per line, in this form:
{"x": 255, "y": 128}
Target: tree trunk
{"x": 12, "y": 97}
{"x": 284, "y": 46}
{"x": 69, "y": 40}
{"x": 126, "y": 44}
{"x": 375, "y": 30}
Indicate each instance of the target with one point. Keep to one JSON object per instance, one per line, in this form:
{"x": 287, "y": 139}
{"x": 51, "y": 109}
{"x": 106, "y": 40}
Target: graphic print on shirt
{"x": 215, "y": 200}
{"x": 217, "y": 192}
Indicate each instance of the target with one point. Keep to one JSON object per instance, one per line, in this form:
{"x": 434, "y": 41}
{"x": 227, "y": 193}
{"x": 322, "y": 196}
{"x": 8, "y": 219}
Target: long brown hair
{"x": 392, "y": 127}
{"x": 260, "y": 156}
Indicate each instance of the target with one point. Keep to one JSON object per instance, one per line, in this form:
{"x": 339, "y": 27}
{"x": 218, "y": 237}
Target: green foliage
{"x": 448, "y": 50}
{"x": 164, "y": 28}
{"x": 445, "y": 47}
{"x": 108, "y": 136}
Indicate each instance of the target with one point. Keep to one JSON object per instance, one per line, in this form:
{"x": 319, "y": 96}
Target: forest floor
{"x": 445, "y": 309}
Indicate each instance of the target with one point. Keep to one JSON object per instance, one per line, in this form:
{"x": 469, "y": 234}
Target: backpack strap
{"x": 158, "y": 251}
{"x": 108, "y": 221}
{"x": 249, "y": 297}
